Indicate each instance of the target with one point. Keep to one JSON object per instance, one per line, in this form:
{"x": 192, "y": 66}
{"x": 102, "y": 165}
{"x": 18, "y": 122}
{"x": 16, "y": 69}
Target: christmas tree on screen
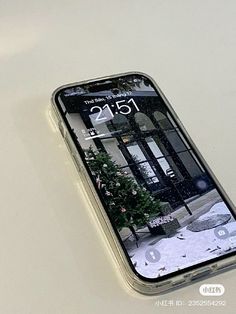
{"x": 128, "y": 203}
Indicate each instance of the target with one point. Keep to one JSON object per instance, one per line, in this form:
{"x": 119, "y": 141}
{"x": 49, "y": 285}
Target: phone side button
{"x": 77, "y": 163}
{"x": 201, "y": 273}
{"x": 178, "y": 282}
{"x": 61, "y": 128}
{"x": 70, "y": 144}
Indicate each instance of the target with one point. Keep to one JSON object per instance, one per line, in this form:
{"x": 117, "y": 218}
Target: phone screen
{"x": 166, "y": 209}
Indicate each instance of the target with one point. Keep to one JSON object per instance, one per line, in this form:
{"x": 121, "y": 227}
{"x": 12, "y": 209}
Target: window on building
{"x": 179, "y": 143}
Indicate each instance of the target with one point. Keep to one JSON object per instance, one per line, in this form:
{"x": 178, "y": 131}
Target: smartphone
{"x": 165, "y": 215}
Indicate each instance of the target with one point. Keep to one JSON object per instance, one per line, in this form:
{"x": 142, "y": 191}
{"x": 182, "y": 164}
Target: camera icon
{"x": 221, "y": 232}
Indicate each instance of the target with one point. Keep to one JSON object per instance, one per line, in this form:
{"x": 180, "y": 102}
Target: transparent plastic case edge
{"x": 144, "y": 287}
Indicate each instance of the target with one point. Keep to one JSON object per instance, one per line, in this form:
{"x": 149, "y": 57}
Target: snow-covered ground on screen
{"x": 185, "y": 248}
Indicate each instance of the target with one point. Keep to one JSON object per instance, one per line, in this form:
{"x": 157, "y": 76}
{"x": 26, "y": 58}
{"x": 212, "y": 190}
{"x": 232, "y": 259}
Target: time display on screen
{"x": 124, "y": 107}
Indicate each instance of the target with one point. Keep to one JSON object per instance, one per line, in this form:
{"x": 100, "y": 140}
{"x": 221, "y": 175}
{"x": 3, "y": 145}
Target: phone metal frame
{"x": 142, "y": 286}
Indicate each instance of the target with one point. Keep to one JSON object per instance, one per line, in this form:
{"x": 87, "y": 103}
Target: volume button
{"x": 77, "y": 163}
{"x": 201, "y": 273}
{"x": 61, "y": 128}
{"x": 73, "y": 152}
{"x": 70, "y": 144}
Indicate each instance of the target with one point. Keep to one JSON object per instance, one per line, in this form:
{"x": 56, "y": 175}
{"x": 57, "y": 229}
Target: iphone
{"x": 165, "y": 215}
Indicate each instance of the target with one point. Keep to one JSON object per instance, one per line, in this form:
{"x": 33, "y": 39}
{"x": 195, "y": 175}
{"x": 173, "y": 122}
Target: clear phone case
{"x": 142, "y": 286}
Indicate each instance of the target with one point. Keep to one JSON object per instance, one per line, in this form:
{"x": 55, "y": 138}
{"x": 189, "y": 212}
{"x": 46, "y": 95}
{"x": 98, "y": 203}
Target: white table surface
{"x": 53, "y": 259}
